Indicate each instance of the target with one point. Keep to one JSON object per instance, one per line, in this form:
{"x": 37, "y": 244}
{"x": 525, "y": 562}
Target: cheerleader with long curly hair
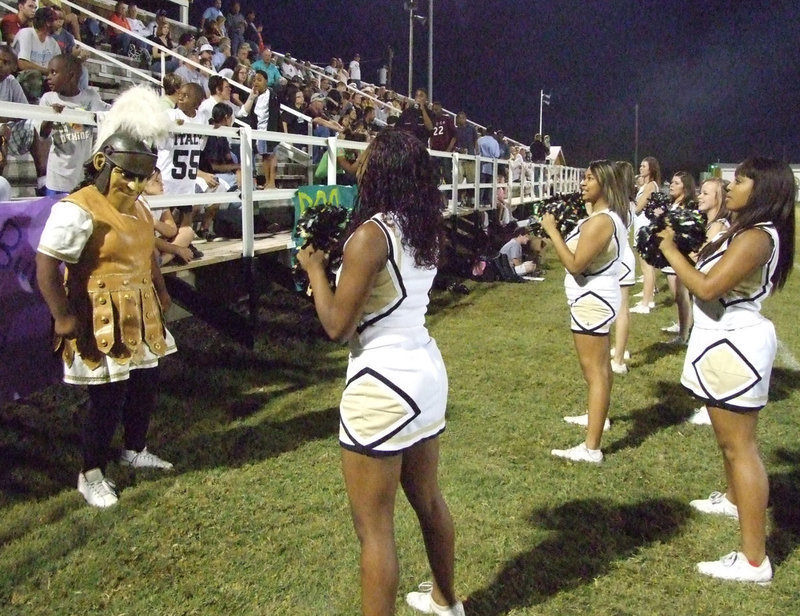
{"x": 393, "y": 405}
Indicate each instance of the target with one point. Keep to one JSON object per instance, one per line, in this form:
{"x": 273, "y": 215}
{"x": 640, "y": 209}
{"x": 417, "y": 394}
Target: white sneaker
{"x": 618, "y": 368}
{"x": 671, "y": 329}
{"x": 579, "y": 453}
{"x": 735, "y": 567}
{"x": 716, "y": 503}
{"x": 96, "y": 489}
{"x": 583, "y": 420}
{"x": 640, "y": 309}
{"x": 700, "y": 417}
{"x": 143, "y": 459}
{"x": 626, "y": 356}
{"x": 422, "y": 601}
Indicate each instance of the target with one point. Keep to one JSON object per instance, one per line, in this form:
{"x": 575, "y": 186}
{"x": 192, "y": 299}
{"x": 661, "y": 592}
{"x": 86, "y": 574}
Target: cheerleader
{"x": 650, "y": 178}
{"x": 627, "y": 278}
{"x": 393, "y": 405}
{"x": 591, "y": 255}
{"x": 711, "y": 201}
{"x": 682, "y": 192}
{"x": 732, "y": 346}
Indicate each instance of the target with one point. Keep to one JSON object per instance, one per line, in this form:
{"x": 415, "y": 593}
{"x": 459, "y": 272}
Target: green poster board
{"x": 320, "y": 194}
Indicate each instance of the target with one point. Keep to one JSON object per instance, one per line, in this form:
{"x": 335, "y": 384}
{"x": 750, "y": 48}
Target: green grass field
{"x": 254, "y": 520}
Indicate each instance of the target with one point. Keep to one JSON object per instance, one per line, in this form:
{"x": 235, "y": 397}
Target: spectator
{"x": 206, "y": 53}
{"x": 347, "y": 161}
{"x": 171, "y": 243}
{"x": 516, "y": 167}
{"x": 293, "y": 124}
{"x": 501, "y": 200}
{"x": 262, "y": 112}
{"x": 66, "y": 43}
{"x": 416, "y": 118}
{"x": 191, "y": 74}
{"x": 241, "y": 75}
{"x": 164, "y": 38}
{"x": 466, "y": 143}
{"x": 121, "y": 41}
{"x": 34, "y": 46}
{"x": 222, "y": 53}
{"x": 20, "y": 136}
{"x": 135, "y": 23}
{"x": 443, "y": 139}
{"x": 487, "y": 148}
{"x": 186, "y": 43}
{"x": 161, "y": 18}
{"x": 289, "y": 68}
{"x": 71, "y": 144}
{"x": 251, "y": 34}
{"x": 171, "y": 84}
{"x": 234, "y": 26}
{"x": 264, "y": 63}
{"x": 14, "y": 22}
{"x": 341, "y": 72}
{"x": 179, "y": 156}
{"x": 223, "y": 31}
{"x": 355, "y": 70}
{"x": 513, "y": 250}
{"x": 211, "y": 14}
{"x": 243, "y": 54}
{"x": 323, "y": 126}
{"x": 218, "y": 159}
{"x": 220, "y": 93}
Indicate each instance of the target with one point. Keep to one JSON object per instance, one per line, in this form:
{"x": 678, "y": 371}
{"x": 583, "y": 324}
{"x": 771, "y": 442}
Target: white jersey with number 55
{"x": 179, "y": 157}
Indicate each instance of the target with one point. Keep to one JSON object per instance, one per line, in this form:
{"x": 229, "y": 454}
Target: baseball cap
{"x": 318, "y": 97}
{"x": 161, "y": 13}
{"x": 207, "y": 48}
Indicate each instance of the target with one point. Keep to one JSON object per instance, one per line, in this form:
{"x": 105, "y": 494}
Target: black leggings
{"x": 133, "y": 401}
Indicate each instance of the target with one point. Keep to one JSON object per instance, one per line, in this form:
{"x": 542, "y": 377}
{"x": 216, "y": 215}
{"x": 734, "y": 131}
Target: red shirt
{"x": 122, "y": 22}
{"x": 9, "y": 26}
{"x": 444, "y": 131}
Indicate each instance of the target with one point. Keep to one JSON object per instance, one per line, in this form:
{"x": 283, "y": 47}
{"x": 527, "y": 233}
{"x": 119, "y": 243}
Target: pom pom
{"x": 567, "y": 209}
{"x": 321, "y": 226}
{"x": 688, "y": 223}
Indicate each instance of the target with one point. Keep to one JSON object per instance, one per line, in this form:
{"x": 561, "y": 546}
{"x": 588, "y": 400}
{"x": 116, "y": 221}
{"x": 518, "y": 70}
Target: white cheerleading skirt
{"x": 593, "y": 306}
{"x": 731, "y": 368}
{"x": 394, "y": 398}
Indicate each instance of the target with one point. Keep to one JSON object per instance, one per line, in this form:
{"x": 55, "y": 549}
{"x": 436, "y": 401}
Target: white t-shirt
{"x": 71, "y": 144}
{"x": 179, "y": 156}
{"x": 355, "y": 70}
{"x": 28, "y": 47}
{"x": 207, "y": 106}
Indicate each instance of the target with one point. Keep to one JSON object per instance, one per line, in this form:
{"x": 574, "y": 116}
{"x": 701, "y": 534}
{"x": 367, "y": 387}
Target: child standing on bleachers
{"x": 71, "y": 144}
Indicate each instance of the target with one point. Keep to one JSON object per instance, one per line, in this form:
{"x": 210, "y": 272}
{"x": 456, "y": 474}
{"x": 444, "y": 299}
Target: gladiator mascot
{"x": 108, "y": 306}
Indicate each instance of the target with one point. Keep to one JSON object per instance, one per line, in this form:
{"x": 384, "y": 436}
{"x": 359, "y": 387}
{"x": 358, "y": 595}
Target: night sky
{"x": 714, "y": 80}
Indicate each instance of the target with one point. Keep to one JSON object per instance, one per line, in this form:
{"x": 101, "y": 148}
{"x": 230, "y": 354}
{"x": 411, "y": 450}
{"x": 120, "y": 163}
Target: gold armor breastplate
{"x": 110, "y": 289}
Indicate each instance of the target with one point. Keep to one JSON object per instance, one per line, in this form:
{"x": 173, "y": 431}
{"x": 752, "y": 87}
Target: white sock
{"x": 40, "y": 181}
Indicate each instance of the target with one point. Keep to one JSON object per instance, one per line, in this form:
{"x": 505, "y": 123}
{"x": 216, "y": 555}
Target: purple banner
{"x": 27, "y": 362}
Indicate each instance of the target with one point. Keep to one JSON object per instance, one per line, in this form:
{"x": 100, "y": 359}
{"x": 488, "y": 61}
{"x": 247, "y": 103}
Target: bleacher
{"x": 111, "y": 73}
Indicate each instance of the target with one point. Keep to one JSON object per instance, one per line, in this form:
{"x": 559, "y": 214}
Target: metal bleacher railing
{"x": 548, "y": 178}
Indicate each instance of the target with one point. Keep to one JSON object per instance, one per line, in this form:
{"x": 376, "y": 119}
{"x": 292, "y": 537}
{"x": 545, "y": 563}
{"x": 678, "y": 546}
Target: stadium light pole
{"x": 430, "y": 50}
{"x": 410, "y": 6}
